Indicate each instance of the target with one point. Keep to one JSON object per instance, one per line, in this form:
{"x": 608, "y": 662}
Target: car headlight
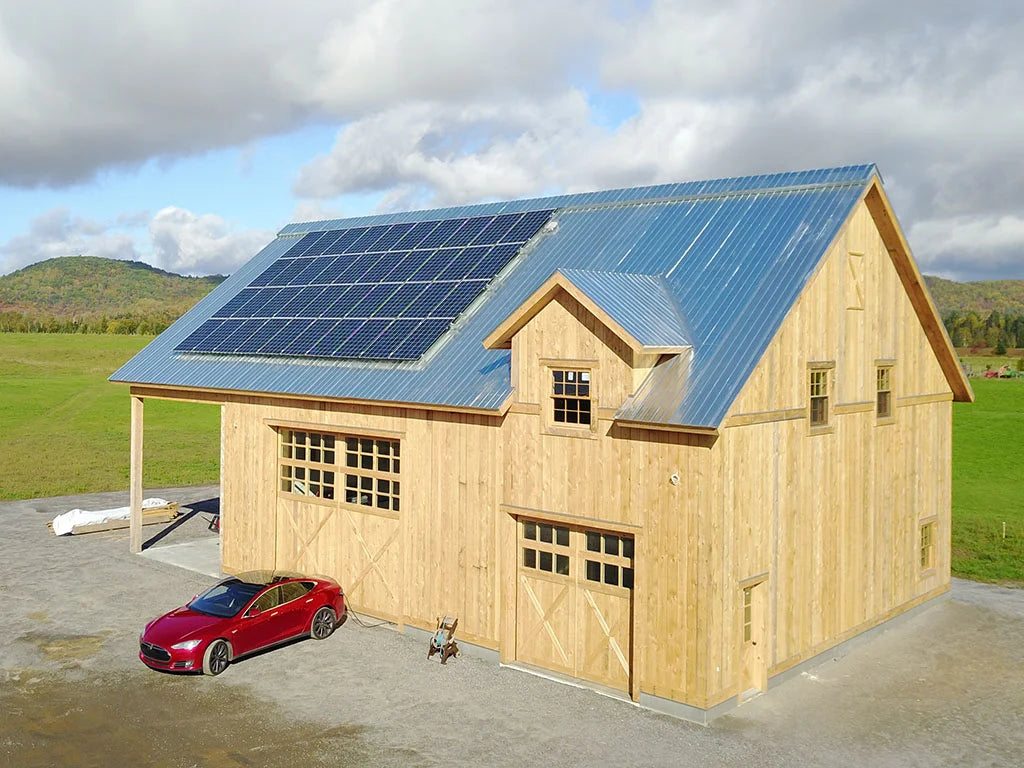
{"x": 188, "y": 645}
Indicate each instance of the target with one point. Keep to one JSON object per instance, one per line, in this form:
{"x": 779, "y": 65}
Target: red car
{"x": 241, "y": 615}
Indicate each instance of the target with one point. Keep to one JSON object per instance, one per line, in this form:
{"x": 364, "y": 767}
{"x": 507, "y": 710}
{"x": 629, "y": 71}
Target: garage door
{"x": 574, "y": 601}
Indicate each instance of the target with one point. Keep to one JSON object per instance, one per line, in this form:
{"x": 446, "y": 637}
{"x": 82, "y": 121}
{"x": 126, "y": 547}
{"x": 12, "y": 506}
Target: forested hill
{"x": 90, "y": 294}
{"x": 983, "y": 297}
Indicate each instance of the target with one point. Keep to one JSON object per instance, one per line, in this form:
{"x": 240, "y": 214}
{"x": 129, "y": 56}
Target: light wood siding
{"x": 436, "y": 557}
{"x": 826, "y": 524}
{"x": 833, "y": 518}
{"x": 616, "y": 475}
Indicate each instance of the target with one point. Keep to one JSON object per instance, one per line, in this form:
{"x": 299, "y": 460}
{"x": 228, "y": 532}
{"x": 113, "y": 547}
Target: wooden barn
{"x": 671, "y": 441}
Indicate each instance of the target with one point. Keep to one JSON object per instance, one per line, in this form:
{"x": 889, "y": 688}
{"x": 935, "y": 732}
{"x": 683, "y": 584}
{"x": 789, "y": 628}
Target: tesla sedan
{"x": 239, "y": 616}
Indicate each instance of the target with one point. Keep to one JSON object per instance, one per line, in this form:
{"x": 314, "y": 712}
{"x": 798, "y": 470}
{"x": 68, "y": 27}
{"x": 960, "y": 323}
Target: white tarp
{"x": 65, "y": 522}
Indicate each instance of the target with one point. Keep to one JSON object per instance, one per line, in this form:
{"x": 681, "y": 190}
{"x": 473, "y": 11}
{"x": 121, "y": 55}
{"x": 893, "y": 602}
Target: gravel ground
{"x": 944, "y": 687}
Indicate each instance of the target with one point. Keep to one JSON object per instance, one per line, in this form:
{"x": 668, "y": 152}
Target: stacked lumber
{"x": 150, "y": 516}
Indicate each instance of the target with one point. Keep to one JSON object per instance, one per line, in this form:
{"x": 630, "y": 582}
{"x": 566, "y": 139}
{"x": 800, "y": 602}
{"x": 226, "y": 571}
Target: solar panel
{"x": 383, "y": 292}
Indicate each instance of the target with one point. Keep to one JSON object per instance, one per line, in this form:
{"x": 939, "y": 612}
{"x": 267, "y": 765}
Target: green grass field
{"x": 988, "y": 482}
{"x": 64, "y": 428}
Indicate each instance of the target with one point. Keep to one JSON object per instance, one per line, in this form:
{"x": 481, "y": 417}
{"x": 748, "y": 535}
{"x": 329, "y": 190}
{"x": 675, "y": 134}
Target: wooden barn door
{"x": 372, "y": 562}
{"x": 574, "y": 601}
{"x": 360, "y": 550}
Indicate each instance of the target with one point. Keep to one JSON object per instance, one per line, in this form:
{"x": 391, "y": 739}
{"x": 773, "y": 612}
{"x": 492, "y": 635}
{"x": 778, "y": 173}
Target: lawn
{"x": 988, "y": 482}
{"x": 64, "y": 428}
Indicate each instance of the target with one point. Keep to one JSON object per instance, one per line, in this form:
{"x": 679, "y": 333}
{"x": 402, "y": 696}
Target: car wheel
{"x": 323, "y": 624}
{"x": 216, "y": 658}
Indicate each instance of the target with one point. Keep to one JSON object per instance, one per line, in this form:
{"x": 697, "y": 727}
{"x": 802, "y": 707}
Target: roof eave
{"x": 669, "y": 427}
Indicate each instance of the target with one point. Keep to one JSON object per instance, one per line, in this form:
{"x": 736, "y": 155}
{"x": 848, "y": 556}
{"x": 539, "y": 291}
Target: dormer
{"x": 584, "y": 342}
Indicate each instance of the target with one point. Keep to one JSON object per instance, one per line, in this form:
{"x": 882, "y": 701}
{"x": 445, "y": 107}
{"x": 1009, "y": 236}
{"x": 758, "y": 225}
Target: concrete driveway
{"x": 944, "y": 687}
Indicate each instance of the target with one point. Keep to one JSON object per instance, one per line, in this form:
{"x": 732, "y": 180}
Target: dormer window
{"x": 570, "y": 393}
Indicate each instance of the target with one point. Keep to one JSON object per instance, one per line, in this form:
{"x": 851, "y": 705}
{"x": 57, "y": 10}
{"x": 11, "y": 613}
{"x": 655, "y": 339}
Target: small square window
{"x": 611, "y": 574}
{"x": 545, "y": 561}
{"x": 570, "y": 395}
{"x": 530, "y": 558}
{"x": 627, "y": 547}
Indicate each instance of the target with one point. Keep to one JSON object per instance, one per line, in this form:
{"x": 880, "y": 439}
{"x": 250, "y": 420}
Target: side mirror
{"x": 253, "y": 613}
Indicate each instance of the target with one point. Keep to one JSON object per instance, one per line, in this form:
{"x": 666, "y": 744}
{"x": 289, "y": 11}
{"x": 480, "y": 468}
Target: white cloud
{"x": 949, "y": 247}
{"x": 115, "y": 82}
{"x": 931, "y": 92}
{"x": 192, "y": 244}
{"x": 447, "y": 101}
{"x": 434, "y": 153}
{"x": 58, "y": 233}
{"x": 174, "y": 239}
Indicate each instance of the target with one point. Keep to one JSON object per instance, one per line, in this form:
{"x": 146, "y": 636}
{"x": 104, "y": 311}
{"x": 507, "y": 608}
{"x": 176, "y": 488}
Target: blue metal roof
{"x": 734, "y": 254}
{"x": 643, "y": 305}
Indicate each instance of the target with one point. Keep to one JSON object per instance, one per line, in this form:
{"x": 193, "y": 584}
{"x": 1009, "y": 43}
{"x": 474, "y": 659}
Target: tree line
{"x": 129, "y": 324}
{"x": 998, "y": 331}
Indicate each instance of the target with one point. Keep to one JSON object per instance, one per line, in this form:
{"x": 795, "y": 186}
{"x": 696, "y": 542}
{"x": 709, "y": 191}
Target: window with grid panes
{"x": 819, "y": 397}
{"x": 371, "y": 472}
{"x": 570, "y": 391}
{"x": 545, "y": 547}
{"x": 308, "y": 463}
{"x": 883, "y": 388}
{"x": 609, "y": 559}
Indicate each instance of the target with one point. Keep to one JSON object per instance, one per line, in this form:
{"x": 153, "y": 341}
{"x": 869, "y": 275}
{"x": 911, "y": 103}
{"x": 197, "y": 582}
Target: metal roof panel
{"x": 732, "y": 255}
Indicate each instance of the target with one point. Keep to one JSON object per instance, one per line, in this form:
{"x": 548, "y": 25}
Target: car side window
{"x": 269, "y": 599}
{"x": 293, "y": 590}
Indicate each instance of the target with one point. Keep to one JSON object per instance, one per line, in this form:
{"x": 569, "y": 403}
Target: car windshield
{"x": 226, "y": 599}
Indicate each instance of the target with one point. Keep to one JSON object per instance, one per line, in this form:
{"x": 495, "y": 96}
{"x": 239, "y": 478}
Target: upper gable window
{"x": 819, "y": 381}
{"x": 883, "y": 392}
{"x": 570, "y": 393}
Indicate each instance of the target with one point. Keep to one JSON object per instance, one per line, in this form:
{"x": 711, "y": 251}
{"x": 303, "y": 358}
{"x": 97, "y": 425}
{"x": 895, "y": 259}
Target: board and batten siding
{"x": 831, "y": 518}
{"x": 829, "y": 521}
{"x": 435, "y": 557}
{"x": 613, "y": 477}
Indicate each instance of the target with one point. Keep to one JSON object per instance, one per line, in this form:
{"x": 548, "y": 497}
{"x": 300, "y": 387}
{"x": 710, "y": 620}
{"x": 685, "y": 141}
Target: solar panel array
{"x": 383, "y": 292}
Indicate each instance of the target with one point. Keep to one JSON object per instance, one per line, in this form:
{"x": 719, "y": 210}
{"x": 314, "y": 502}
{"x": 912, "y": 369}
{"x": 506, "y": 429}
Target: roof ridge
{"x": 724, "y": 194}
{"x": 726, "y": 186}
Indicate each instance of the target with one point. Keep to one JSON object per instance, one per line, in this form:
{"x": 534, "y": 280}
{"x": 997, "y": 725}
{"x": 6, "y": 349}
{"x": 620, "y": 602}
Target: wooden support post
{"x": 136, "y": 476}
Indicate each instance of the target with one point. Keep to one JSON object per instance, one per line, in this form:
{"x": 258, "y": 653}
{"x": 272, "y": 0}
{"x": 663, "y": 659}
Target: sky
{"x": 186, "y": 133}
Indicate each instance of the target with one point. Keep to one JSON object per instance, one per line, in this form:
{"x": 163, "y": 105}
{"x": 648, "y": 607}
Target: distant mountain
{"x": 86, "y": 285}
{"x": 984, "y": 296}
{"x": 59, "y": 294}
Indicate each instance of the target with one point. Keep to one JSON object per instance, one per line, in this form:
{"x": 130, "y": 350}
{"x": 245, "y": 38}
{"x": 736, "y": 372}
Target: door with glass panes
{"x": 574, "y": 601}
